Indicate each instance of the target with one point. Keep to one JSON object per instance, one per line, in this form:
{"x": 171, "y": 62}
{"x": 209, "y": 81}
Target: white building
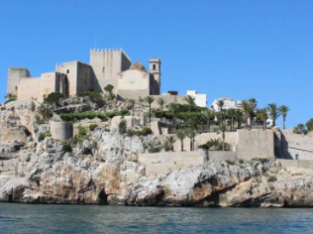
{"x": 228, "y": 104}
{"x": 200, "y": 99}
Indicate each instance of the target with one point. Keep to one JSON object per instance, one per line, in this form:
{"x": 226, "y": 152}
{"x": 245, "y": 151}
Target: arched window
{"x": 154, "y": 67}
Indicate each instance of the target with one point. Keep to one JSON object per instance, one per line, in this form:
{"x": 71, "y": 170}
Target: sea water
{"x": 92, "y": 219}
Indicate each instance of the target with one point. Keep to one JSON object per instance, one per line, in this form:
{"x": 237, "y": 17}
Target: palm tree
{"x": 220, "y": 103}
{"x": 222, "y": 128}
{"x": 263, "y": 116}
{"x": 169, "y": 142}
{"x": 209, "y": 116}
{"x": 10, "y": 97}
{"x": 246, "y": 110}
{"x": 191, "y": 133}
{"x": 283, "y": 110}
{"x": 273, "y": 112}
{"x": 239, "y": 117}
{"x": 149, "y": 100}
{"x": 300, "y": 129}
{"x": 161, "y": 102}
{"x": 232, "y": 113}
{"x": 172, "y": 107}
{"x": 132, "y": 103}
{"x": 191, "y": 102}
{"x": 253, "y": 104}
{"x": 181, "y": 135}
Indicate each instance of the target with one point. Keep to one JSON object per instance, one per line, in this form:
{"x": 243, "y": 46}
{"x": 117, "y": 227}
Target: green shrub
{"x": 93, "y": 96}
{"x": 82, "y": 131}
{"x": 53, "y": 98}
{"x": 43, "y": 135}
{"x": 271, "y": 179}
{"x": 92, "y": 127}
{"x": 123, "y": 112}
{"x": 84, "y": 115}
{"x": 143, "y": 132}
{"x": 38, "y": 120}
{"x": 111, "y": 114}
{"x": 215, "y": 145}
{"x": 67, "y": 148}
{"x": 230, "y": 162}
{"x": 154, "y": 149}
{"x": 122, "y": 127}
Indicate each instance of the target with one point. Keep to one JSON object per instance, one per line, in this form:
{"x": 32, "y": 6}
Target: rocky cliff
{"x": 103, "y": 169}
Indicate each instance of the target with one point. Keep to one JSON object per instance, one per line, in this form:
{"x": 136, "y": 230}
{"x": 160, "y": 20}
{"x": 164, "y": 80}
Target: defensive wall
{"x": 61, "y": 130}
{"x": 165, "y": 162}
{"x": 299, "y": 164}
{"x": 296, "y": 146}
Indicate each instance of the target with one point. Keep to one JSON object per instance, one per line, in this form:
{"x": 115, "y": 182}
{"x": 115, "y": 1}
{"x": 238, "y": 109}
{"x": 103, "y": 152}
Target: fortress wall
{"x": 48, "y": 84}
{"x": 165, "y": 162}
{"x": 61, "y": 130}
{"x": 84, "y": 78}
{"x": 30, "y": 88}
{"x": 255, "y": 144}
{"x": 300, "y": 164}
{"x": 15, "y": 74}
{"x": 296, "y": 146}
{"x": 70, "y": 69}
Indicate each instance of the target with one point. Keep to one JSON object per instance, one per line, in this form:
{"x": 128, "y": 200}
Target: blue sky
{"x": 241, "y": 49}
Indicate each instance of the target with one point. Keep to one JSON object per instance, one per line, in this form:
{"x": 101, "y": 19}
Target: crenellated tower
{"x": 107, "y": 64}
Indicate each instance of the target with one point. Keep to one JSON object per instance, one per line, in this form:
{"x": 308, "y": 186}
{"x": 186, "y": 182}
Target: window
{"x": 297, "y": 156}
{"x": 154, "y": 67}
{"x": 103, "y": 69}
{"x": 68, "y": 71}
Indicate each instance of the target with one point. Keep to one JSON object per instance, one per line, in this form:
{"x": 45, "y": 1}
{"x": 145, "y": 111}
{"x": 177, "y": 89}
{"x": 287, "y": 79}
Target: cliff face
{"x": 104, "y": 169}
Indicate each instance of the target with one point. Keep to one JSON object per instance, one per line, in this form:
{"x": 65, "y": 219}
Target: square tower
{"x": 155, "y": 76}
{"x": 107, "y": 64}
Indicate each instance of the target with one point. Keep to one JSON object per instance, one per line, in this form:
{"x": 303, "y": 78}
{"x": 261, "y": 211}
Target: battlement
{"x": 102, "y": 51}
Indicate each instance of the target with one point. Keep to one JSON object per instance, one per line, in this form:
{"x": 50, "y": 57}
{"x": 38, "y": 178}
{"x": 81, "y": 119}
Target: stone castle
{"x": 73, "y": 78}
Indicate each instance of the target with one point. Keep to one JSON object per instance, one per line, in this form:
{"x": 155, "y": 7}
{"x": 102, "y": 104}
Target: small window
{"x": 154, "y": 67}
{"x": 103, "y": 69}
{"x": 68, "y": 71}
{"x": 297, "y": 156}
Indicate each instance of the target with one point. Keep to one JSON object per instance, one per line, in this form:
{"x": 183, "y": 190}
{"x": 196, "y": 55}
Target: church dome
{"x": 138, "y": 66}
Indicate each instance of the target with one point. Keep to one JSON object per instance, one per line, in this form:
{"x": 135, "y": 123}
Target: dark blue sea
{"x": 66, "y": 219}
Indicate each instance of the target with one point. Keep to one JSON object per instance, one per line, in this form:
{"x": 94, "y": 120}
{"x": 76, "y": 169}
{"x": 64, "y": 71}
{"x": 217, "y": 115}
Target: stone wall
{"x": 61, "y": 130}
{"x": 255, "y": 144}
{"x": 30, "y": 88}
{"x": 296, "y": 146}
{"x": 165, "y": 162}
{"x": 37, "y": 88}
{"x": 300, "y": 164}
{"x": 80, "y": 76}
{"x": 15, "y": 74}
